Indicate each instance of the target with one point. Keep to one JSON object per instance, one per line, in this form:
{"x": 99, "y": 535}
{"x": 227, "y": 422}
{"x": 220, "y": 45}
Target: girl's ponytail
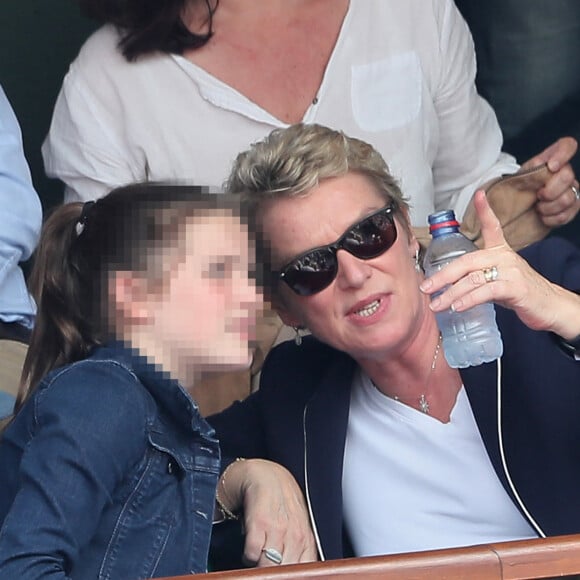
{"x": 63, "y": 287}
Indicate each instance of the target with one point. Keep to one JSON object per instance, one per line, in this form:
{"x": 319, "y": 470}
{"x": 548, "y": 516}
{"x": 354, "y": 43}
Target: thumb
{"x": 491, "y": 229}
{"x": 555, "y": 156}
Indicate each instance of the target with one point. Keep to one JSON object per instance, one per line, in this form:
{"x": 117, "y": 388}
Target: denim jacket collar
{"x": 179, "y": 413}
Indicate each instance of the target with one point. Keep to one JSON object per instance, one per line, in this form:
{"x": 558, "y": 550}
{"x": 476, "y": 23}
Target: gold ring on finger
{"x": 490, "y": 274}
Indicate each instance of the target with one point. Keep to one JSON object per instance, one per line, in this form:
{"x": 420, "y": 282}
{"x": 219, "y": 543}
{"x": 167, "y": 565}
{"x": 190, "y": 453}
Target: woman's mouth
{"x": 369, "y": 309}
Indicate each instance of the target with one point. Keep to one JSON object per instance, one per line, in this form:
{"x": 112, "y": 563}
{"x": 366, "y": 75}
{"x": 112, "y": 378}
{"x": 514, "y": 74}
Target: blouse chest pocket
{"x": 386, "y": 94}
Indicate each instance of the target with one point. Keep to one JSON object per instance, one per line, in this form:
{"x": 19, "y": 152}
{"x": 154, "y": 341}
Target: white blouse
{"x": 401, "y": 77}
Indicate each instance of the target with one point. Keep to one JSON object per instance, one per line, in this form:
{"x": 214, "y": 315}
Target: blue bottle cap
{"x": 443, "y": 222}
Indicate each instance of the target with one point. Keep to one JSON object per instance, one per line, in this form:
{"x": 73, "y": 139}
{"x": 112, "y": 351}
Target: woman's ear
{"x": 284, "y": 312}
{"x": 415, "y": 247}
{"x": 287, "y": 318}
{"x": 130, "y": 298}
{"x": 413, "y": 243}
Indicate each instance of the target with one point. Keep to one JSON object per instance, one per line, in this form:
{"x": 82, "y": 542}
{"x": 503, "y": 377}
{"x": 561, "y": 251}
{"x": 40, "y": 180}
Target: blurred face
{"x": 203, "y": 318}
{"x": 373, "y": 305}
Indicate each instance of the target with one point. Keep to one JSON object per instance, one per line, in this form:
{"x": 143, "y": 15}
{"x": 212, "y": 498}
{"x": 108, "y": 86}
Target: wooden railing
{"x": 542, "y": 558}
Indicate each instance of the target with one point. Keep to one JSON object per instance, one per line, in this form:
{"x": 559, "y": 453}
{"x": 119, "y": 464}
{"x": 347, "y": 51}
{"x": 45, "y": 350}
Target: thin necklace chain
{"x": 423, "y": 403}
{"x": 437, "y": 349}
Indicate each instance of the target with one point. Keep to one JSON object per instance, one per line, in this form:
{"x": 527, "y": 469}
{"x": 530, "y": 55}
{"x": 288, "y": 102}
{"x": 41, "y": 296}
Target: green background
{"x": 38, "y": 40}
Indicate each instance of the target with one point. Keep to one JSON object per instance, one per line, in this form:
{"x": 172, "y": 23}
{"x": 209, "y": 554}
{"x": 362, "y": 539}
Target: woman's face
{"x": 204, "y": 316}
{"x": 372, "y": 306}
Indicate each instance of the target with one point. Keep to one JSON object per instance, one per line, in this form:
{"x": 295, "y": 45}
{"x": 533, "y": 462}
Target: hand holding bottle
{"x": 470, "y": 338}
{"x": 497, "y": 273}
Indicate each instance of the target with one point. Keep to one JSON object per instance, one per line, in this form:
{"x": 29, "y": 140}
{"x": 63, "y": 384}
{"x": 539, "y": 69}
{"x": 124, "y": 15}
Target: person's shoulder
{"x": 102, "y": 69}
{"x": 309, "y": 347}
{"x": 104, "y": 42}
{"x": 98, "y": 403}
{"x": 100, "y": 57}
{"x": 95, "y": 386}
{"x": 310, "y": 358}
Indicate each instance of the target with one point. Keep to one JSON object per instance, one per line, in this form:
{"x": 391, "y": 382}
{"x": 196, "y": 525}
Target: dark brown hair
{"x": 150, "y": 25}
{"x": 81, "y": 245}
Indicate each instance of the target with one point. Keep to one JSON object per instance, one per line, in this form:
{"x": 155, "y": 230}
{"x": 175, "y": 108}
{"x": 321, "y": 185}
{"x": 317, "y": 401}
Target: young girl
{"x": 107, "y": 469}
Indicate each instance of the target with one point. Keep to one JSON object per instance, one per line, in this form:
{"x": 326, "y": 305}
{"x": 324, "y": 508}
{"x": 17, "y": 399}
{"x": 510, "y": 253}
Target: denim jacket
{"x": 109, "y": 472}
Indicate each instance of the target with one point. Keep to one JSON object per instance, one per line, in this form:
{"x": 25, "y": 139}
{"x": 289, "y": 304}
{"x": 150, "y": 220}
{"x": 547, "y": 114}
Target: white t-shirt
{"x": 412, "y": 483}
{"x": 401, "y": 77}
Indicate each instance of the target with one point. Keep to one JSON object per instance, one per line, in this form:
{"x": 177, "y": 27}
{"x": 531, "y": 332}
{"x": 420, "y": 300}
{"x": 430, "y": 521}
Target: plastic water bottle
{"x": 470, "y": 338}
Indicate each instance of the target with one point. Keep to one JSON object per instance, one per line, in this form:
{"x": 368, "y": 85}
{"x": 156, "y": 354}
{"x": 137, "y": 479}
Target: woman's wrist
{"x": 570, "y": 347}
{"x": 566, "y": 321}
{"x": 227, "y": 504}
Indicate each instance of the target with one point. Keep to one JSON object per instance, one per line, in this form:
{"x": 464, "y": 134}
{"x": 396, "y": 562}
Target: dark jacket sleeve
{"x": 556, "y": 259}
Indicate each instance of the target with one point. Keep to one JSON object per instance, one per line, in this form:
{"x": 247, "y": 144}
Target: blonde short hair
{"x": 292, "y": 161}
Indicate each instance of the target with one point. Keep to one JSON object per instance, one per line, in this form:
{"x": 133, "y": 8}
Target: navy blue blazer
{"x": 299, "y": 416}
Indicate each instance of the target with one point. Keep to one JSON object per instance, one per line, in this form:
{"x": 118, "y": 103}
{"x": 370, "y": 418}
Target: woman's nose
{"x": 352, "y": 271}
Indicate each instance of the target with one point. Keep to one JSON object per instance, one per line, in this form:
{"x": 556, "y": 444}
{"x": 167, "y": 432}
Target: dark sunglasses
{"x": 314, "y": 270}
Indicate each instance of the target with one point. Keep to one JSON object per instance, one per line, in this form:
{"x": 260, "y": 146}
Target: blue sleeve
{"x": 21, "y": 218}
{"x": 88, "y": 433}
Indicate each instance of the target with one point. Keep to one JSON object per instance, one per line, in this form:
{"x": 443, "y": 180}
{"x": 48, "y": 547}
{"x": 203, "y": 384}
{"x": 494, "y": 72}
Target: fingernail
{"x": 425, "y": 285}
{"x": 435, "y": 303}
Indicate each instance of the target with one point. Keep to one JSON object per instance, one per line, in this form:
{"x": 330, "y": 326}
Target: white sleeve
{"x": 470, "y": 139}
{"x": 87, "y": 146}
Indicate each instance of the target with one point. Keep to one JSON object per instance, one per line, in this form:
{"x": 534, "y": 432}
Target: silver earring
{"x": 298, "y": 336}
{"x": 417, "y": 265}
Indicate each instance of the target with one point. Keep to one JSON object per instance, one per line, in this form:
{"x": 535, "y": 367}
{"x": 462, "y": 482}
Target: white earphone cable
{"x": 519, "y": 500}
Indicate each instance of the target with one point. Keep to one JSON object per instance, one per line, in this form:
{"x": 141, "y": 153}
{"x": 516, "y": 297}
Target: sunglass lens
{"x": 371, "y": 237}
{"x": 312, "y": 272}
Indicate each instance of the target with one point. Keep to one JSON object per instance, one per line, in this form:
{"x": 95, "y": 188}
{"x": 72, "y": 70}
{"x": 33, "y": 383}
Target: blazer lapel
{"x": 325, "y": 425}
{"x": 481, "y": 386}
